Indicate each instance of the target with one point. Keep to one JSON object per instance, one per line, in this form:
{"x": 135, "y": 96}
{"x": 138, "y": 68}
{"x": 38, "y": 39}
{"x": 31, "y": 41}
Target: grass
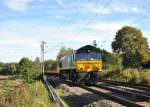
{"x": 28, "y": 95}
{"x": 61, "y": 94}
{"x": 7, "y": 86}
{"x": 132, "y": 76}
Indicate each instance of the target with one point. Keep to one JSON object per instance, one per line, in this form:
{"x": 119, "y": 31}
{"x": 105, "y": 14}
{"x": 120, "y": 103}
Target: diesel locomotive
{"x": 82, "y": 66}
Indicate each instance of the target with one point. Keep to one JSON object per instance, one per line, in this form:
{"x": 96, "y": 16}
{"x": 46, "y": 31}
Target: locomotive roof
{"x": 88, "y": 47}
{"x": 84, "y": 48}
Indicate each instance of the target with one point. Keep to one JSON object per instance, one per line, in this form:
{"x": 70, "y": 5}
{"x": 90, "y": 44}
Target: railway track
{"x": 57, "y": 99}
{"x": 135, "y": 95}
{"x": 136, "y": 86}
{"x": 126, "y": 98}
{"x": 114, "y": 93}
{"x": 107, "y": 94}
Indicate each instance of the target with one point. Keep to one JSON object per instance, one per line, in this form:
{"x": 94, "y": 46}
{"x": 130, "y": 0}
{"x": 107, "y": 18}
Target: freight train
{"x": 82, "y": 65}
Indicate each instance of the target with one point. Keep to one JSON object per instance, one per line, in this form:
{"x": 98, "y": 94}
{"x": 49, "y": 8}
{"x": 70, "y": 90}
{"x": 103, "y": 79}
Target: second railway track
{"x": 137, "y": 86}
{"x": 124, "y": 97}
{"x": 107, "y": 94}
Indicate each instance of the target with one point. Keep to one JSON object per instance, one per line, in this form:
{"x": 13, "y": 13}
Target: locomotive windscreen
{"x": 81, "y": 56}
{"x": 88, "y": 56}
{"x": 94, "y": 56}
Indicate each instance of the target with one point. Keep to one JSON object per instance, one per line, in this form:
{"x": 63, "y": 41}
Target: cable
{"x": 86, "y": 15}
{"x": 98, "y": 13}
{"x": 140, "y": 19}
{"x": 54, "y": 47}
{"x": 83, "y": 18}
{"x": 81, "y": 2}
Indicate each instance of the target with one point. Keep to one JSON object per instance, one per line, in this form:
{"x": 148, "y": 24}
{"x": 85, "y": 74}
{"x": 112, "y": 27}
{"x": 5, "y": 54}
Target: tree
{"x": 37, "y": 60}
{"x": 1, "y": 66}
{"x": 50, "y": 65}
{"x": 9, "y": 69}
{"x": 63, "y": 52}
{"x": 37, "y": 63}
{"x": 28, "y": 70}
{"x": 132, "y": 46}
{"x": 111, "y": 61}
{"x": 147, "y": 65}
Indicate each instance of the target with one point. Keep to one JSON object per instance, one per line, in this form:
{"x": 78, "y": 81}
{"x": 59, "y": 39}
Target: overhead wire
{"x": 75, "y": 13}
{"x": 78, "y": 23}
{"x": 139, "y": 20}
{"x": 91, "y": 20}
{"x": 54, "y": 47}
{"x": 86, "y": 15}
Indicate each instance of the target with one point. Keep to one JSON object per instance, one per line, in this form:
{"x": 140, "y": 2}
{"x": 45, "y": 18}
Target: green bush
{"x": 125, "y": 75}
{"x": 146, "y": 77}
{"x": 28, "y": 70}
{"x": 111, "y": 61}
{"x": 8, "y": 69}
{"x": 136, "y": 76}
{"x": 133, "y": 76}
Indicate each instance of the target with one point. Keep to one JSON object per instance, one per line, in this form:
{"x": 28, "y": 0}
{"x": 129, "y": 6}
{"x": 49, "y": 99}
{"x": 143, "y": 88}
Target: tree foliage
{"x": 28, "y": 70}
{"x": 147, "y": 65}
{"x": 37, "y": 60}
{"x": 63, "y": 52}
{"x": 9, "y": 68}
{"x": 130, "y": 43}
{"x": 50, "y": 65}
{"x": 111, "y": 61}
{"x": 37, "y": 63}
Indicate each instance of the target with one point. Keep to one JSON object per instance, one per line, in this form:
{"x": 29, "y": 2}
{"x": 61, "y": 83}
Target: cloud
{"x": 19, "y": 5}
{"x": 114, "y": 7}
{"x": 108, "y": 26}
{"x": 60, "y": 3}
{"x": 62, "y": 17}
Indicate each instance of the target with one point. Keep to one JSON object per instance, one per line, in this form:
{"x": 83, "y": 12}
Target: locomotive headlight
{"x": 97, "y": 68}
{"x": 81, "y": 68}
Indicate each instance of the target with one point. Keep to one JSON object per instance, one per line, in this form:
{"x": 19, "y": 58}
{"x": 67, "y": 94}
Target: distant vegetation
{"x": 27, "y": 70}
{"x": 50, "y": 65}
{"x": 8, "y": 68}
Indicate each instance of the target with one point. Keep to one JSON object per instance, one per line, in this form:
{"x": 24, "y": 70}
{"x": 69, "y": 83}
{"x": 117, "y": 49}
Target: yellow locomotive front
{"x": 88, "y": 61}
{"x": 88, "y": 66}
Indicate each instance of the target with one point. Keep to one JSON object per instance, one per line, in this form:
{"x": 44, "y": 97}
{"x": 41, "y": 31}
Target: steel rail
{"x": 109, "y": 96}
{"x": 56, "y": 98}
{"x": 137, "y": 86}
{"x": 123, "y": 101}
{"x": 124, "y": 92}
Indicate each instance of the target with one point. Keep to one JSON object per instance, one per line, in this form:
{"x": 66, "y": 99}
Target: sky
{"x": 71, "y": 23}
